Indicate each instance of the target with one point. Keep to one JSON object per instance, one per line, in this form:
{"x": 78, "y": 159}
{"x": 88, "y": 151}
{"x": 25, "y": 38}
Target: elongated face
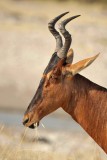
{"x": 48, "y": 97}
{"x": 56, "y": 83}
{"x": 46, "y": 100}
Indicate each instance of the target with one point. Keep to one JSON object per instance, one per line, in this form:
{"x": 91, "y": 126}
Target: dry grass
{"x": 26, "y": 144}
{"x": 28, "y": 154}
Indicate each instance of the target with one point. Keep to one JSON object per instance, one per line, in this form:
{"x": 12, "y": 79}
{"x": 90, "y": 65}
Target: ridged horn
{"x": 64, "y": 50}
{"x": 55, "y": 33}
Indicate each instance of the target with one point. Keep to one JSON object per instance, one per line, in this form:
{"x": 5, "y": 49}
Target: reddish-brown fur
{"x": 87, "y": 104}
{"x": 61, "y": 86}
{"x": 84, "y": 100}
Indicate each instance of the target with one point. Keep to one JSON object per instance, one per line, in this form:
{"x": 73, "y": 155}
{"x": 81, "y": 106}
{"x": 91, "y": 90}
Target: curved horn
{"x": 63, "y": 51}
{"x": 55, "y": 33}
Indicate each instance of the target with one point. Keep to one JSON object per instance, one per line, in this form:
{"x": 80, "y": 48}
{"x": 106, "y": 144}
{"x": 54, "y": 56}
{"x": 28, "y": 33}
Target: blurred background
{"x": 26, "y": 46}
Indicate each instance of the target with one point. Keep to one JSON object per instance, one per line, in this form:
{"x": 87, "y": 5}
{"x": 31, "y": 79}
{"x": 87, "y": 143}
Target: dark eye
{"x": 53, "y": 78}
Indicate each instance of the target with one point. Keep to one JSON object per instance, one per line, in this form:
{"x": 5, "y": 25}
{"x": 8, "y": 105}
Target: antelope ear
{"x": 77, "y": 67}
{"x": 70, "y": 56}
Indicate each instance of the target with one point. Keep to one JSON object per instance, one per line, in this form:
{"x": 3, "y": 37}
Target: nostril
{"x": 26, "y": 119}
{"x": 24, "y": 122}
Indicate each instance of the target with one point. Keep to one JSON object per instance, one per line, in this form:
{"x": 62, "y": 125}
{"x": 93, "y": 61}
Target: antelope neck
{"x": 87, "y": 107}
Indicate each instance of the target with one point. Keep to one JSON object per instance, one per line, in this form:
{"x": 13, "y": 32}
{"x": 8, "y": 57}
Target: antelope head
{"x": 55, "y": 88}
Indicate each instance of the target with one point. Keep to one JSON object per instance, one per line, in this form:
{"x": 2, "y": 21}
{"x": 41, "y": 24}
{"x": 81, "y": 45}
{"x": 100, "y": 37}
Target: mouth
{"x": 34, "y": 125}
{"x": 30, "y": 124}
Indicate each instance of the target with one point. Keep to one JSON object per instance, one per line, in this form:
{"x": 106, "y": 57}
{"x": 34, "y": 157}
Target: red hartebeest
{"x": 62, "y": 86}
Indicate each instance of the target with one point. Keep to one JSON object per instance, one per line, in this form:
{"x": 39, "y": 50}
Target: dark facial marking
{"x": 53, "y": 61}
{"x": 38, "y": 95}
